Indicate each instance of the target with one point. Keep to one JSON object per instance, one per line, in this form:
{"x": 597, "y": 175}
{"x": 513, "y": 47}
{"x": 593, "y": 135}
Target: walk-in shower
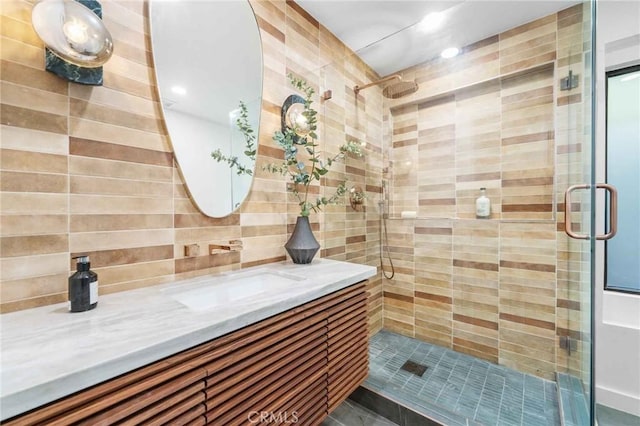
{"x": 491, "y": 317}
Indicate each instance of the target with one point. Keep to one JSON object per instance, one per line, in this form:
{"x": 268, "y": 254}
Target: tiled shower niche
{"x": 496, "y": 134}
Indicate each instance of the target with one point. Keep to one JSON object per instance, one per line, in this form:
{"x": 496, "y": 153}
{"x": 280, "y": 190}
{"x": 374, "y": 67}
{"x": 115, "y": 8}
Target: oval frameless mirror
{"x": 208, "y": 58}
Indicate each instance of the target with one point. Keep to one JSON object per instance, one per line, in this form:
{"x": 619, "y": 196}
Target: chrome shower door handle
{"x": 613, "y": 211}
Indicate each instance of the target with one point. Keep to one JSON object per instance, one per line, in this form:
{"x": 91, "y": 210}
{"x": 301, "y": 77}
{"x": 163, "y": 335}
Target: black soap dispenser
{"x": 83, "y": 286}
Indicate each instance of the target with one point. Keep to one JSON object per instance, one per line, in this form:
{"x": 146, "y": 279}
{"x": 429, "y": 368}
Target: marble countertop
{"x": 47, "y": 353}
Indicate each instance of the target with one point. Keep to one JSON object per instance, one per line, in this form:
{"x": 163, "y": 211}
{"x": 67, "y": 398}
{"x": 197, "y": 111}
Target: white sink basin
{"x": 229, "y": 289}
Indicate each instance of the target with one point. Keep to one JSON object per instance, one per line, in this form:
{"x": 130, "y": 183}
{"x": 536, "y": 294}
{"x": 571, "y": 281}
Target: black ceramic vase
{"x": 302, "y": 245}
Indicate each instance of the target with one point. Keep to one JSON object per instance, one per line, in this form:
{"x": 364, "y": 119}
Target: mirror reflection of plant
{"x": 296, "y": 141}
{"x": 243, "y": 125}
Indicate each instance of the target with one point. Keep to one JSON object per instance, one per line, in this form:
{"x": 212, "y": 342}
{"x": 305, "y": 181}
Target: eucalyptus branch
{"x": 302, "y": 173}
{"x": 243, "y": 125}
{"x": 232, "y": 161}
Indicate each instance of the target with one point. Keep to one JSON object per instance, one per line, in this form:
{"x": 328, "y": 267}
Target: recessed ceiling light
{"x": 431, "y": 22}
{"x": 179, "y": 90}
{"x": 450, "y": 52}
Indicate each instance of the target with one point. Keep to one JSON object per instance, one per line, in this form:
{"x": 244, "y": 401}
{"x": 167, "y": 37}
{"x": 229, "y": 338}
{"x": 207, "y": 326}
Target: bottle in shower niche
{"x": 83, "y": 286}
{"x": 483, "y": 205}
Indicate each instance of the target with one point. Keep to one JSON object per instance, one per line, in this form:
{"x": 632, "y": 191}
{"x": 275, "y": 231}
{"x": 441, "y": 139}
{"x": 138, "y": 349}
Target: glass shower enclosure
{"x": 512, "y": 113}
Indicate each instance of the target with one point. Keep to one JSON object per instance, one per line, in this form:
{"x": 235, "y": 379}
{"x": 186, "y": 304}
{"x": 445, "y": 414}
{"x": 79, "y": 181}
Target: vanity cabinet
{"x": 294, "y": 367}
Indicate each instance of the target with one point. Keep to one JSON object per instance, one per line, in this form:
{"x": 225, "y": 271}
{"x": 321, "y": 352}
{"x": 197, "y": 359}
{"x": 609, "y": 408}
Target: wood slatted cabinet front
{"x": 292, "y": 368}
{"x": 348, "y": 340}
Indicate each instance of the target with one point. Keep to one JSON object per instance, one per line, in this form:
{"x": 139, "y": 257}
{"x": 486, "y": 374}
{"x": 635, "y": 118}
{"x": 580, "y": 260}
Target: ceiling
{"x": 386, "y": 34}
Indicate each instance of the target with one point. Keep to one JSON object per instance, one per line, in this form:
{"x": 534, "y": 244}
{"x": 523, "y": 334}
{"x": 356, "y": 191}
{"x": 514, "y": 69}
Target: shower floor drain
{"x": 414, "y": 368}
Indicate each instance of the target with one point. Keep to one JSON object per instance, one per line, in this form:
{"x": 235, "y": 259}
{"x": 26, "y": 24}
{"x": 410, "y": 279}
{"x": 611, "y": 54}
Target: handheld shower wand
{"x": 384, "y": 239}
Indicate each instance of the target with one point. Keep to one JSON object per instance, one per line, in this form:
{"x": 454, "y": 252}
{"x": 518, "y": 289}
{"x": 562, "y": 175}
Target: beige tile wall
{"x": 91, "y": 169}
{"x": 507, "y": 288}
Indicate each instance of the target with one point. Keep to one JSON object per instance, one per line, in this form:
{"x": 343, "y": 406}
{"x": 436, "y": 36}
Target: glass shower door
{"x": 576, "y": 189}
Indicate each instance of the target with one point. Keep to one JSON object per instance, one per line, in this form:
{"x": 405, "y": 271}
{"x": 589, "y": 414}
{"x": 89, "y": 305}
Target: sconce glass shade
{"x": 292, "y": 117}
{"x": 296, "y": 120}
{"x": 73, "y": 32}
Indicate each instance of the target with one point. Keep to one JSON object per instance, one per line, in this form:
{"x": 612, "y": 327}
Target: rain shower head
{"x": 395, "y": 90}
{"x": 400, "y": 89}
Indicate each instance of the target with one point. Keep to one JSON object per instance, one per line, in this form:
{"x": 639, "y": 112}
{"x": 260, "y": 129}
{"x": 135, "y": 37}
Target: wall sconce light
{"x": 77, "y": 42}
{"x": 292, "y": 116}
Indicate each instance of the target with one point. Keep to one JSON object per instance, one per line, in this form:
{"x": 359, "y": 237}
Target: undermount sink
{"x": 231, "y": 288}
